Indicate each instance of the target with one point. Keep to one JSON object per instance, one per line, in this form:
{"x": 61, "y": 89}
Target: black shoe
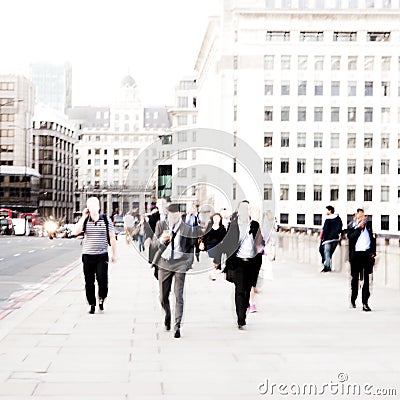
{"x": 101, "y": 304}
{"x": 167, "y": 324}
{"x": 353, "y": 303}
{"x": 241, "y": 327}
{"x": 326, "y": 270}
{"x": 177, "y": 334}
{"x": 92, "y": 309}
{"x": 366, "y": 307}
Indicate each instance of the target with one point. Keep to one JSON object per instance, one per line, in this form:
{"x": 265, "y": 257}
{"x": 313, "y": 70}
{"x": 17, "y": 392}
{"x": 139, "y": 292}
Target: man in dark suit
{"x": 362, "y": 252}
{"x": 174, "y": 258}
{"x": 191, "y": 218}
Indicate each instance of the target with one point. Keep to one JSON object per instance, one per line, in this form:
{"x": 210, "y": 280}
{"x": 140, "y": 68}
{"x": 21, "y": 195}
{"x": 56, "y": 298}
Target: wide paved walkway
{"x": 303, "y": 334}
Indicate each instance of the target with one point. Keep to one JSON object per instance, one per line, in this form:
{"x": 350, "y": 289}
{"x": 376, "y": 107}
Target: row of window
{"x": 333, "y": 193}
{"x": 332, "y": 4}
{"x": 284, "y": 36}
{"x": 335, "y": 88}
{"x": 117, "y": 138}
{"x": 318, "y": 219}
{"x": 368, "y": 140}
{"x": 7, "y": 86}
{"x": 319, "y": 62}
{"x": 318, "y": 114}
{"x": 333, "y": 166}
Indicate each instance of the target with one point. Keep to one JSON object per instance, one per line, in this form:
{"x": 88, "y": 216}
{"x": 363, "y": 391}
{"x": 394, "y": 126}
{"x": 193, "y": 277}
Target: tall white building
{"x": 313, "y": 86}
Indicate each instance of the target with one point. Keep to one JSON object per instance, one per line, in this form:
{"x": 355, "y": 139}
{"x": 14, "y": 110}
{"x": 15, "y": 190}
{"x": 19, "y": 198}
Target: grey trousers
{"x": 165, "y": 283}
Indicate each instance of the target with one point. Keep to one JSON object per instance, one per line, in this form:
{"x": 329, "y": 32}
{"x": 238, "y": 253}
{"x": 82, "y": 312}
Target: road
{"x": 28, "y": 264}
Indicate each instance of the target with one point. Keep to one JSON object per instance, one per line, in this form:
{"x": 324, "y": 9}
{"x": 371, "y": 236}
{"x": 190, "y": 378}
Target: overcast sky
{"x": 156, "y": 41}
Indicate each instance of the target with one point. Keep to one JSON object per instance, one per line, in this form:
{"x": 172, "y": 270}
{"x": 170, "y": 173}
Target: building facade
{"x": 313, "y": 86}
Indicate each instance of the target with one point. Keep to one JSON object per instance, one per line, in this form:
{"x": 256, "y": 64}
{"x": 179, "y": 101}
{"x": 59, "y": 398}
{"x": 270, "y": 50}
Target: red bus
{"x": 6, "y": 225}
{"x": 33, "y": 218}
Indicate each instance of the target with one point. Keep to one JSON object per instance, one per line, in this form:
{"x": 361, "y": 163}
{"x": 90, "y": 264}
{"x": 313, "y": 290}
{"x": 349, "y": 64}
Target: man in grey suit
{"x": 174, "y": 258}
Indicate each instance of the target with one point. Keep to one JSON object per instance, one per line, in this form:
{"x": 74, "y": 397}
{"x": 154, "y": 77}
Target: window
{"x": 284, "y": 218}
{"x": 369, "y": 88}
{"x": 319, "y": 63}
{"x": 351, "y": 193}
{"x": 352, "y": 63}
{"x": 302, "y": 88}
{"x": 285, "y": 139}
{"x": 351, "y": 88}
{"x": 284, "y": 166}
{"x": 317, "y": 219}
{"x": 351, "y": 114}
{"x": 311, "y": 36}
{"x": 285, "y": 88}
{"x": 351, "y": 140}
{"x": 317, "y": 193}
{"x": 319, "y": 88}
{"x": 384, "y": 222}
{"x": 302, "y": 62}
{"x": 334, "y": 166}
{"x": 334, "y": 114}
{"x": 183, "y": 102}
{"x": 301, "y": 139}
{"x": 378, "y": 36}
{"x": 301, "y": 219}
{"x": 116, "y": 162}
{"x": 182, "y": 155}
{"x": 317, "y": 166}
{"x": 268, "y": 192}
{"x": 367, "y": 193}
{"x": 277, "y": 36}
{"x": 385, "y": 90}
{"x": 335, "y": 140}
{"x": 344, "y": 36}
{"x": 267, "y": 113}
{"x": 368, "y": 167}
{"x": 285, "y": 62}
{"x": 234, "y": 113}
{"x": 267, "y": 139}
{"x": 318, "y": 139}
{"x": 335, "y": 63}
{"x": 335, "y": 88}
{"x": 182, "y": 172}
{"x": 301, "y": 114}
{"x": 268, "y": 88}
{"x": 301, "y": 166}
{"x": 385, "y": 138}
{"x": 369, "y": 63}
{"x": 385, "y": 115}
{"x": 386, "y": 63}
{"x": 318, "y": 111}
{"x": 235, "y": 62}
{"x": 284, "y": 192}
{"x": 385, "y": 193}
{"x": 182, "y": 136}
{"x": 285, "y": 111}
{"x": 386, "y": 3}
{"x": 351, "y": 166}
{"x": 368, "y": 114}
{"x": 301, "y": 192}
{"x": 369, "y": 3}
{"x": 384, "y": 167}
{"x": 268, "y": 165}
{"x": 334, "y": 193}
{"x": 268, "y": 62}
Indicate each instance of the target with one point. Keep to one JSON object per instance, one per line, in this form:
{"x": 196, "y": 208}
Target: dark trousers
{"x": 95, "y": 267}
{"x": 244, "y": 276}
{"x": 165, "y": 283}
{"x": 360, "y": 270}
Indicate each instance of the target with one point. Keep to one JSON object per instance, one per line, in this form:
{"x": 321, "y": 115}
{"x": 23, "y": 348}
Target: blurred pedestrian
{"x": 362, "y": 252}
{"x": 98, "y": 234}
{"x": 128, "y": 227}
{"x": 192, "y": 219}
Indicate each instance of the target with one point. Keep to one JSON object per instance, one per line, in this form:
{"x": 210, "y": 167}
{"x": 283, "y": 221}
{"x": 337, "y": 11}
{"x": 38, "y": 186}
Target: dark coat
{"x": 332, "y": 229}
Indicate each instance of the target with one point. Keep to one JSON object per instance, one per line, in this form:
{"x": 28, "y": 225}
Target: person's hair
{"x": 331, "y": 209}
{"x": 360, "y": 210}
{"x": 212, "y": 218}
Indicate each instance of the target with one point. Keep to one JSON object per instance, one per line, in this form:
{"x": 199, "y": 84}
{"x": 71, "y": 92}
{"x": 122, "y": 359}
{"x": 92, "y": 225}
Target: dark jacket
{"x": 353, "y": 234}
{"x": 231, "y": 242}
{"x": 212, "y": 237}
{"x": 332, "y": 229}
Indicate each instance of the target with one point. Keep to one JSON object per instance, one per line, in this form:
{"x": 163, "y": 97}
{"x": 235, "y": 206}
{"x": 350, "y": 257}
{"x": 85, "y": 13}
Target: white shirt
{"x": 246, "y": 249}
{"x": 363, "y": 241}
{"x": 177, "y": 244}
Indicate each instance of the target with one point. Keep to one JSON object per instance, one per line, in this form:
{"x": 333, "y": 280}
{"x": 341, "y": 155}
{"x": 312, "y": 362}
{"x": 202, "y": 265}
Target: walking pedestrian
{"x": 211, "y": 241}
{"x": 192, "y": 219}
{"x": 98, "y": 234}
{"x": 175, "y": 250}
{"x": 362, "y": 252}
{"x": 128, "y": 227}
{"x": 330, "y": 237}
{"x": 243, "y": 245}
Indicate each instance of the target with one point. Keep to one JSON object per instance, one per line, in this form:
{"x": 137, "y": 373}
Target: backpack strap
{"x": 105, "y": 219}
